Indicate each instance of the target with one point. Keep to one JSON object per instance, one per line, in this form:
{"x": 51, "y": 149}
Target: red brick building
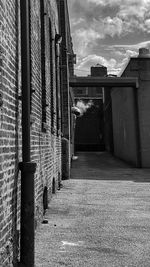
{"x": 48, "y": 66}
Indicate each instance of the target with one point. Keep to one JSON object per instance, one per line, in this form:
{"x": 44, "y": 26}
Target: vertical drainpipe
{"x": 26, "y": 166}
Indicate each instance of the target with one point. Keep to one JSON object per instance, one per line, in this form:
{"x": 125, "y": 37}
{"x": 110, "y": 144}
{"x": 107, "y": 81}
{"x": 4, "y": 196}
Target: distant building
{"x": 89, "y": 131}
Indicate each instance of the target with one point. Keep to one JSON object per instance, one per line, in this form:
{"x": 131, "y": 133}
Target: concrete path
{"x": 100, "y": 218}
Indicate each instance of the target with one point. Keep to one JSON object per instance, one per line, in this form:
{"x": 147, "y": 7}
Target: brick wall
{"x": 45, "y": 141}
{"x": 66, "y": 71}
{"x": 10, "y": 134}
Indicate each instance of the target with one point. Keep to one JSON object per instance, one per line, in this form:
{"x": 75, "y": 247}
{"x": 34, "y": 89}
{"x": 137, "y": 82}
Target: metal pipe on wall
{"x": 26, "y": 166}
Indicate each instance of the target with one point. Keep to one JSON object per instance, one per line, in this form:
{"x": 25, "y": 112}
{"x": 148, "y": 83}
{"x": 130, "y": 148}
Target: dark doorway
{"x": 89, "y": 133}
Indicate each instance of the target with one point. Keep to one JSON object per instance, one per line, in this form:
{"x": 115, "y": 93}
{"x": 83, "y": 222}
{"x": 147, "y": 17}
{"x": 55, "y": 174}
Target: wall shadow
{"x": 104, "y": 166}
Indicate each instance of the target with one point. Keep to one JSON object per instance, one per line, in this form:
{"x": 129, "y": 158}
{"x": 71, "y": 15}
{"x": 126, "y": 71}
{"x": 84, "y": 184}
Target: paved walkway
{"x": 100, "y": 218}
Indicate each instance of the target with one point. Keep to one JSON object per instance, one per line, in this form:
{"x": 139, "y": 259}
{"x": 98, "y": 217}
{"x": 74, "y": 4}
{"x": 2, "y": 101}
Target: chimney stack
{"x": 98, "y": 71}
{"x": 144, "y": 52}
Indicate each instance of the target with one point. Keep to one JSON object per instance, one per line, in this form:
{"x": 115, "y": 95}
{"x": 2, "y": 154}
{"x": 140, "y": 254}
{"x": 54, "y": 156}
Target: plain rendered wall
{"x": 124, "y": 128}
{"x": 144, "y": 110}
{"x": 108, "y": 126}
{"x": 139, "y": 67}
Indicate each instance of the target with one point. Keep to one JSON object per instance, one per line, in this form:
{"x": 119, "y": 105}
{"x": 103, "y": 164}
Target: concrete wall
{"x": 137, "y": 67}
{"x": 124, "y": 127}
{"x": 108, "y": 126}
{"x": 45, "y": 141}
{"x": 144, "y": 110}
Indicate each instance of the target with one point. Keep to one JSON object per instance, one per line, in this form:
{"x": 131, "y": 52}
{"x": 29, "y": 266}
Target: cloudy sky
{"x": 108, "y": 32}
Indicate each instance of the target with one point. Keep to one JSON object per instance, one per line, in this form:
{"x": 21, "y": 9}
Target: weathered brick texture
{"x": 10, "y": 134}
{"x": 45, "y": 143}
{"x": 66, "y": 72}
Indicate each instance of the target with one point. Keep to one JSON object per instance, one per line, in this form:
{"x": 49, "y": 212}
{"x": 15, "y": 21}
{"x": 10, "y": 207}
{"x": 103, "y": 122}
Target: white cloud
{"x": 131, "y": 53}
{"x": 83, "y": 38}
{"x": 145, "y": 44}
{"x": 98, "y": 2}
{"x": 130, "y": 15}
{"x": 113, "y": 66}
{"x": 119, "y": 2}
{"x": 75, "y": 22}
{"x": 147, "y": 25}
{"x": 93, "y": 21}
{"x": 136, "y": 10}
{"x": 84, "y": 64}
{"x": 112, "y": 26}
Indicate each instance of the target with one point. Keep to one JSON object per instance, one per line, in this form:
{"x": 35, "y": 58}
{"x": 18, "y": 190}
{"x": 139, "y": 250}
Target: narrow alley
{"x": 100, "y": 217}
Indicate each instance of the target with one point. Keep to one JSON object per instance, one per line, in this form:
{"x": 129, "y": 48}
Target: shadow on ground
{"x": 103, "y": 166}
